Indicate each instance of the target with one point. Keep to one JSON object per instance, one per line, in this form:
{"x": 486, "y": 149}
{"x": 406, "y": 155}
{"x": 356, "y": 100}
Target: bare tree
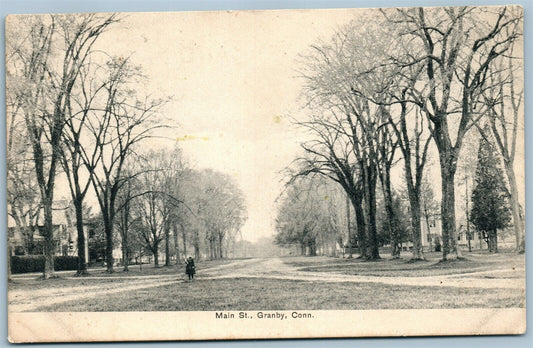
{"x": 173, "y": 172}
{"x": 308, "y": 215}
{"x": 153, "y": 222}
{"x": 413, "y": 142}
{"x": 458, "y": 44}
{"x": 503, "y": 100}
{"x": 157, "y": 201}
{"x": 298, "y": 217}
{"x": 23, "y": 201}
{"x": 23, "y": 204}
{"x": 329, "y": 154}
{"x": 82, "y": 105}
{"x": 393, "y": 83}
{"x": 429, "y": 207}
{"x": 336, "y": 74}
{"x": 387, "y": 151}
{"x": 223, "y": 210}
{"x": 185, "y": 219}
{"x": 46, "y": 64}
{"x": 121, "y": 124}
{"x": 126, "y": 220}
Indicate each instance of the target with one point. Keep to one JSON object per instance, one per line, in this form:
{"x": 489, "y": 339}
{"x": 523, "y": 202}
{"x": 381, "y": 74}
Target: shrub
{"x": 35, "y": 263}
{"x": 27, "y": 263}
{"x": 65, "y": 263}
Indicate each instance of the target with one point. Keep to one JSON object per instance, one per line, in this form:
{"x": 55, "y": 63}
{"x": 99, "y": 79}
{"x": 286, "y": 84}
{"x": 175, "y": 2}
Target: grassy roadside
{"x": 33, "y": 281}
{"x": 275, "y": 294}
{"x": 508, "y": 262}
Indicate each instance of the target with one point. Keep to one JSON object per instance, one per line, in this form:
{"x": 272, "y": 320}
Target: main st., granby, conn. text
{"x": 262, "y": 315}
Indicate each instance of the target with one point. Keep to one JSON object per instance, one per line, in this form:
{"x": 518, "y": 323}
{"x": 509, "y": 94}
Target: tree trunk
{"x": 413, "y": 192}
{"x": 414, "y": 200}
{"x": 370, "y": 196}
{"x": 468, "y": 233}
{"x": 211, "y": 249}
{"x": 49, "y": 247}
{"x": 449, "y": 243}
{"x": 156, "y": 256}
{"x": 167, "y": 244}
{"x": 184, "y": 241}
{"x": 31, "y": 242}
{"x": 28, "y": 233}
{"x": 125, "y": 255}
{"x": 357, "y": 203}
{"x": 108, "y": 229}
{"x": 426, "y": 215}
{"x": 176, "y": 246}
{"x": 312, "y": 248}
{"x": 394, "y": 236}
{"x": 493, "y": 241}
{"x": 9, "y": 253}
{"x": 348, "y": 224}
{"x": 82, "y": 262}
{"x": 389, "y": 210}
{"x": 220, "y": 247}
{"x": 486, "y": 238}
{"x": 125, "y": 216}
{"x": 469, "y": 241}
{"x": 518, "y": 222}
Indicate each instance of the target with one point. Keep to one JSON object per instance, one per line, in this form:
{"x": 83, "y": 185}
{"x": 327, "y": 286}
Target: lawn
{"x": 505, "y": 261}
{"x": 274, "y": 294}
{"x": 34, "y": 281}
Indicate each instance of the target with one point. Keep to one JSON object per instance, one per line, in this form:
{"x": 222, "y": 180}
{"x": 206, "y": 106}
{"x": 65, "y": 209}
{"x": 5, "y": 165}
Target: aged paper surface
{"x": 221, "y": 132}
{"x": 117, "y": 326}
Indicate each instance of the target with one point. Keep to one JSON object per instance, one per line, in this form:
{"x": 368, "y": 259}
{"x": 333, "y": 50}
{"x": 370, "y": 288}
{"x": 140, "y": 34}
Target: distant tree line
{"x": 312, "y": 216}
{"x": 173, "y": 209}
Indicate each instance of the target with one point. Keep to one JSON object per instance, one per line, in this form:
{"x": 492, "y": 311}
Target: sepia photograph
{"x": 263, "y": 174}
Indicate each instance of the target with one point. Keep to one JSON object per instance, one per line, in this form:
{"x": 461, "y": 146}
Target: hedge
{"x": 35, "y": 263}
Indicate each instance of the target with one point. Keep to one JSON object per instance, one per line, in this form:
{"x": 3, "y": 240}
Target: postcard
{"x": 265, "y": 174}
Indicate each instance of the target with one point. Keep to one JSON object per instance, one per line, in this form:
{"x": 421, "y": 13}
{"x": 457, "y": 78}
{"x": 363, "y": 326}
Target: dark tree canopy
{"x": 490, "y": 206}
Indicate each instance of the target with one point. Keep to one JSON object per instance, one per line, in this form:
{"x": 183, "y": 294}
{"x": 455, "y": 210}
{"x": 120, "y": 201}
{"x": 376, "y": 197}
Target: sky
{"x": 233, "y": 78}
